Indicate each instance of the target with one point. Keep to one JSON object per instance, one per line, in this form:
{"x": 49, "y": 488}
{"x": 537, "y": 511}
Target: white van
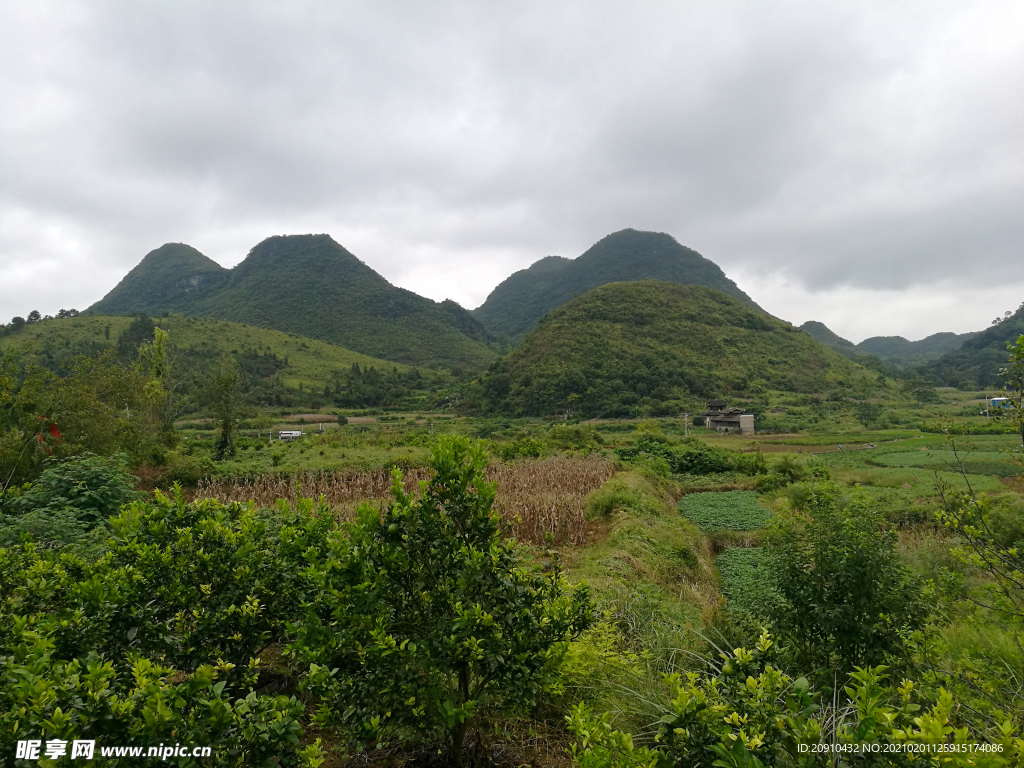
{"x": 288, "y": 435}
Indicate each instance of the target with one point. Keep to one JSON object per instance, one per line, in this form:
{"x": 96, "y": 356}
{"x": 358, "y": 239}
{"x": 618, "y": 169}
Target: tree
{"x": 1013, "y": 384}
{"x": 157, "y": 358}
{"x": 17, "y": 323}
{"x": 224, "y": 398}
{"x": 426, "y": 614}
{"x": 34, "y": 316}
{"x": 847, "y": 599}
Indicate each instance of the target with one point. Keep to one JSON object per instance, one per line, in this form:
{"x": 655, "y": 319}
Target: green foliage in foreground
{"x": 733, "y": 510}
{"x": 156, "y": 641}
{"x": 747, "y": 713}
{"x": 424, "y": 614}
{"x": 656, "y": 346}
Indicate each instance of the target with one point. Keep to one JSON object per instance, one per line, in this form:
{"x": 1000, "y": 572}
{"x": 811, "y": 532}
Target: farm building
{"x": 720, "y": 417}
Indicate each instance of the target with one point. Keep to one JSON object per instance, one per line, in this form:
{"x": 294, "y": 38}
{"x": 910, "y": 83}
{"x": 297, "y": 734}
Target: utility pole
{"x": 686, "y": 425}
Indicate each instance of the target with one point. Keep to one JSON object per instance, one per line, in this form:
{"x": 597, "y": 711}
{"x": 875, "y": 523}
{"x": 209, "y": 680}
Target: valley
{"x": 300, "y": 502}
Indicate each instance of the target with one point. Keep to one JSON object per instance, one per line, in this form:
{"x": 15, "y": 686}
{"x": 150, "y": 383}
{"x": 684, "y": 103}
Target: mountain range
{"x": 308, "y": 285}
{"x": 312, "y": 286}
{"x": 895, "y": 350}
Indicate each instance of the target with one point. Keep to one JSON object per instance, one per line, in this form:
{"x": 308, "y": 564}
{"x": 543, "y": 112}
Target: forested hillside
{"x": 978, "y": 360}
{"x": 311, "y": 286}
{"x": 656, "y": 344}
{"x": 519, "y": 302}
{"x": 275, "y": 368}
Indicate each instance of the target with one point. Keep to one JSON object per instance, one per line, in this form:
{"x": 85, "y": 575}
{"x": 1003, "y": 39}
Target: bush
{"x": 192, "y": 584}
{"x": 69, "y": 504}
{"x": 186, "y": 470}
{"x": 523, "y": 448}
{"x": 623, "y": 492}
{"x": 847, "y": 598}
{"x": 748, "y": 713}
{"x": 44, "y": 696}
{"x": 423, "y": 613}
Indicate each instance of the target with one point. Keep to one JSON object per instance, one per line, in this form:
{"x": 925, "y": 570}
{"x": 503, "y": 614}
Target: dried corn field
{"x": 537, "y": 498}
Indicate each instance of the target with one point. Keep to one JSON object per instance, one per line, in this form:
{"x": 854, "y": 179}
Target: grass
{"x": 730, "y": 510}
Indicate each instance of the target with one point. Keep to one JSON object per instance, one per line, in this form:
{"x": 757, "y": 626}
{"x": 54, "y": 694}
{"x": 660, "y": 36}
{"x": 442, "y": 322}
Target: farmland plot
{"x": 537, "y": 498}
{"x": 728, "y": 510}
{"x": 748, "y": 580}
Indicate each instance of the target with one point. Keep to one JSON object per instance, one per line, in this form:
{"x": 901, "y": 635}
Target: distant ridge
{"x": 900, "y": 351}
{"x": 658, "y": 346}
{"x": 307, "y": 285}
{"x": 520, "y": 301}
{"x": 894, "y": 350}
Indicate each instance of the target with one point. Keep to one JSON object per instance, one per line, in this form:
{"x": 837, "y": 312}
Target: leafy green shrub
{"x": 44, "y": 696}
{"x": 94, "y": 488}
{"x": 67, "y": 506}
{"x": 186, "y": 470}
{"x": 188, "y": 583}
{"x": 523, "y": 448}
{"x": 574, "y": 437}
{"x": 847, "y": 598}
{"x": 728, "y": 510}
{"x": 622, "y": 492}
{"x": 423, "y": 613}
{"x": 692, "y": 457}
{"x": 747, "y": 713}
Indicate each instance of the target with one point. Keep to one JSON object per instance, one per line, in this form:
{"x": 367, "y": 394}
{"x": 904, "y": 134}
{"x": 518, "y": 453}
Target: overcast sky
{"x": 859, "y": 163}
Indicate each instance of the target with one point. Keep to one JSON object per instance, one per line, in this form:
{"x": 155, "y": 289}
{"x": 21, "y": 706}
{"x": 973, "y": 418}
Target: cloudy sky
{"x": 859, "y": 163}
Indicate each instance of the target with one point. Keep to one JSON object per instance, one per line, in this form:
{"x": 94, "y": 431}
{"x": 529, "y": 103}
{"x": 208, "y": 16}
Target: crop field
{"x": 728, "y": 510}
{"x": 536, "y": 497}
{"x": 992, "y": 463}
{"x": 747, "y": 578}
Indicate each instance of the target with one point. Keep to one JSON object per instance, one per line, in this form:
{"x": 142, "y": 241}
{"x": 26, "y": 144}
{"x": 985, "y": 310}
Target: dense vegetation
{"x": 633, "y": 345}
{"x": 307, "y": 285}
{"x": 276, "y": 368}
{"x": 521, "y": 300}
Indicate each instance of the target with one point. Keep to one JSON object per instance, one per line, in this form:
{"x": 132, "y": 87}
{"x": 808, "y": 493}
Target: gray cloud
{"x": 825, "y": 152}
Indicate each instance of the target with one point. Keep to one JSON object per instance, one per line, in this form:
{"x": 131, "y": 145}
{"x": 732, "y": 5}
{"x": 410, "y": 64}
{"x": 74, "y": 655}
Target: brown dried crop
{"x": 536, "y": 498}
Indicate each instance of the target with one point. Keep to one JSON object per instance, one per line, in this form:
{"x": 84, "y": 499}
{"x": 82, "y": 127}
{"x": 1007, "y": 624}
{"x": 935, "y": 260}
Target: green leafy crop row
{"x": 731, "y": 510}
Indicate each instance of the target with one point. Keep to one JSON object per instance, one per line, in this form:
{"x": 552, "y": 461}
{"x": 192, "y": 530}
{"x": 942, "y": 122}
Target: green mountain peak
{"x": 519, "y": 302}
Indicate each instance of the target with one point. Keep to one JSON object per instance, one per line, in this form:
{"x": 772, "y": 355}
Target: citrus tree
{"x": 425, "y": 614}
